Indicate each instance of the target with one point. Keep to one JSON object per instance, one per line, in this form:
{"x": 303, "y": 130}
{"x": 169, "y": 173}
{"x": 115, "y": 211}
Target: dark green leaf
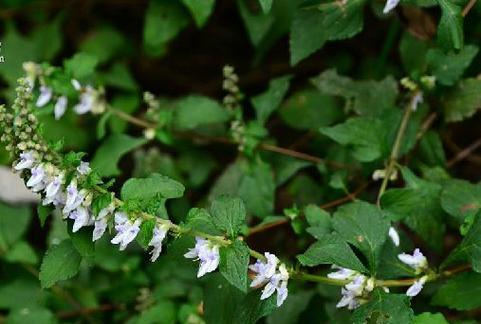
{"x": 460, "y": 293}
{"x": 228, "y": 214}
{"x": 462, "y": 101}
{"x": 384, "y": 308}
{"x": 81, "y": 65}
{"x": 450, "y": 28}
{"x": 194, "y": 111}
{"x": 200, "y": 10}
{"x": 154, "y": 186}
{"x": 448, "y": 67}
{"x": 234, "y": 262}
{"x": 266, "y": 103}
{"x": 61, "y": 262}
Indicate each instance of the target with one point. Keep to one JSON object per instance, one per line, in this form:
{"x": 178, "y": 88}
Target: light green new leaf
{"x": 234, "y": 263}
{"x": 228, "y": 214}
{"x": 61, "y": 262}
{"x": 462, "y": 101}
{"x": 266, "y": 103}
{"x": 331, "y": 249}
{"x": 460, "y": 292}
{"x": 364, "y": 226}
{"x": 111, "y": 151}
{"x": 195, "y": 111}
{"x": 155, "y": 186}
{"x": 164, "y": 19}
{"x": 430, "y": 318}
{"x": 319, "y": 221}
{"x": 385, "y": 308}
{"x": 450, "y": 28}
{"x": 449, "y": 67}
{"x": 200, "y": 10}
{"x": 81, "y": 65}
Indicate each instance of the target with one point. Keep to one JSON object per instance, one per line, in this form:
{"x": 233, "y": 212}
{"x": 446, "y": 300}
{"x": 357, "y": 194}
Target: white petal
{"x": 390, "y": 5}
{"x": 84, "y": 168}
{"x": 393, "y": 234}
{"x": 44, "y": 97}
{"x": 99, "y": 230}
{"x": 60, "y": 107}
{"x": 191, "y": 254}
{"x": 282, "y": 293}
{"x": 76, "y": 85}
{"x": 268, "y": 290}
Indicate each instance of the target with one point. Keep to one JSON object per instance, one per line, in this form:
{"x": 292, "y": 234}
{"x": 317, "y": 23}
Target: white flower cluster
{"x": 419, "y": 263}
{"x": 207, "y": 253}
{"x": 273, "y": 274}
{"x": 355, "y": 292}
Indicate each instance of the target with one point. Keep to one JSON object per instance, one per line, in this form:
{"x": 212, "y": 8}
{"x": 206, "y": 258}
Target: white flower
{"x": 390, "y": 5}
{"x": 54, "y": 186}
{"x": 208, "y": 254}
{"x": 76, "y": 85}
{"x": 101, "y": 222}
{"x": 87, "y": 100}
{"x": 126, "y": 230}
{"x": 416, "y": 287}
{"x": 37, "y": 180}
{"x": 393, "y": 234}
{"x": 84, "y": 168}
{"x": 355, "y": 290}
{"x": 160, "y": 232}
{"x": 417, "y": 260}
{"x": 342, "y": 273}
{"x": 274, "y": 275}
{"x": 27, "y": 159}
{"x": 418, "y": 99}
{"x": 348, "y": 299}
{"x": 74, "y": 198}
{"x": 264, "y": 269}
{"x": 81, "y": 217}
{"x": 44, "y": 97}
{"x": 60, "y": 107}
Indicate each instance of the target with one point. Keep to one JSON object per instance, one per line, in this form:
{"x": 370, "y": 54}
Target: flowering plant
{"x": 291, "y": 203}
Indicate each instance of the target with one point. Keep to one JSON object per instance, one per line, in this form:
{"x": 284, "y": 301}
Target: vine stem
{"x": 263, "y": 146}
{"x": 397, "y": 146}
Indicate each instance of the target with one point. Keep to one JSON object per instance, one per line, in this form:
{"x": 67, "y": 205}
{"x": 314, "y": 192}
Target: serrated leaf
{"x": 462, "y": 101}
{"x": 460, "y": 197}
{"x": 200, "y": 10}
{"x": 384, "y": 308}
{"x": 331, "y": 249}
{"x": 81, "y": 65}
{"x": 267, "y": 102}
{"x": 111, "y": 151}
{"x": 101, "y": 202}
{"x": 154, "y": 186}
{"x": 450, "y": 28}
{"x": 146, "y": 232}
{"x": 61, "y": 262}
{"x": 449, "y": 67}
{"x": 195, "y": 111}
{"x": 319, "y": 221}
{"x": 234, "y": 263}
{"x": 364, "y": 226}
{"x": 228, "y": 214}
{"x": 460, "y": 292}
{"x": 200, "y": 220}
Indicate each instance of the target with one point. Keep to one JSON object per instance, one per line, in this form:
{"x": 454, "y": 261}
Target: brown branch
{"x": 464, "y": 153}
{"x": 468, "y": 7}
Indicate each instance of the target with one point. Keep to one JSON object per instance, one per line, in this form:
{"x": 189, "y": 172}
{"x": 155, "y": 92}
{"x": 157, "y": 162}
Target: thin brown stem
{"x": 468, "y": 7}
{"x": 463, "y": 154}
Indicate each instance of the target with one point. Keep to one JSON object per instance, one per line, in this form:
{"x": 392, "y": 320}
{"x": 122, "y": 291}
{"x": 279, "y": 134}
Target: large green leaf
{"x": 155, "y": 186}
{"x": 460, "y": 197}
{"x": 384, "y": 308}
{"x": 449, "y": 67}
{"x": 194, "y": 111}
{"x": 364, "y": 226}
{"x": 460, "y": 293}
{"x": 228, "y": 214}
{"x": 462, "y": 101}
{"x": 61, "y": 262}
{"x": 234, "y": 263}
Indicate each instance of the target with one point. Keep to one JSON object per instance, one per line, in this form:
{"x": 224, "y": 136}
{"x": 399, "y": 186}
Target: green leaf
{"x": 43, "y": 212}
{"x": 154, "y": 186}
{"x": 13, "y": 224}
{"x": 469, "y": 248}
{"x": 450, "y": 28}
{"x": 430, "y": 318}
{"x": 101, "y": 202}
{"x": 120, "y": 77}
{"x": 331, "y": 249}
{"x": 370, "y": 98}
{"x": 462, "y": 101}
{"x": 111, "y": 151}
{"x": 61, "y": 262}
{"x": 103, "y": 43}
{"x": 81, "y": 65}
{"x": 418, "y": 205}
{"x": 146, "y": 232}
{"x": 257, "y": 24}
{"x": 228, "y": 214}
{"x": 164, "y": 19}
{"x": 200, "y": 10}
{"x": 163, "y": 312}
{"x": 200, "y": 220}
{"x": 266, "y": 103}
{"x": 460, "y": 197}
{"x": 234, "y": 263}
{"x": 319, "y": 221}
{"x": 21, "y": 252}
{"x": 363, "y": 134}
{"x": 413, "y": 53}
{"x": 225, "y": 304}
{"x": 364, "y": 226}
{"x": 35, "y": 314}
{"x": 23, "y": 291}
{"x": 311, "y": 28}
{"x": 384, "y": 308}
{"x": 310, "y": 109}
{"x": 82, "y": 241}
{"x": 195, "y": 111}
{"x": 460, "y": 292}
{"x": 48, "y": 39}
{"x": 266, "y": 5}
{"x": 449, "y": 67}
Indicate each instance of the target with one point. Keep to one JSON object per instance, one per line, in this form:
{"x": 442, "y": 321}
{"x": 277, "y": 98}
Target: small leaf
{"x": 61, "y": 262}
{"x": 234, "y": 262}
{"x": 228, "y": 214}
{"x": 154, "y": 186}
{"x": 266, "y": 103}
{"x": 82, "y": 241}
{"x": 146, "y": 232}
{"x": 430, "y": 318}
{"x": 43, "y": 212}
{"x": 81, "y": 65}
{"x": 449, "y": 67}
{"x": 462, "y": 101}
{"x": 195, "y": 111}
{"x": 200, "y": 10}
{"x": 319, "y": 221}
{"x": 450, "y": 28}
